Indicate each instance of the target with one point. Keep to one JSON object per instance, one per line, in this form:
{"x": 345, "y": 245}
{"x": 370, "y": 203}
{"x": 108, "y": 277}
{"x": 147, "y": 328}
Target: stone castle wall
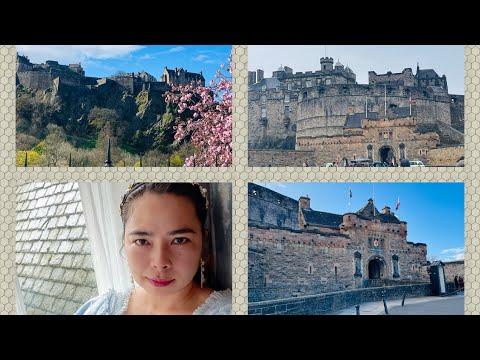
{"x": 311, "y": 262}
{"x": 446, "y": 156}
{"x": 268, "y": 207}
{"x": 454, "y": 268}
{"x": 406, "y": 78}
{"x": 281, "y": 158}
{"x": 457, "y": 110}
{"x": 326, "y": 303}
{"x": 275, "y": 125}
{"x": 35, "y": 79}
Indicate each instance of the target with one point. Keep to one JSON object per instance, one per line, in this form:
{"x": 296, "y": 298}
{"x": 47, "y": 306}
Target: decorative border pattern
{"x": 239, "y": 175}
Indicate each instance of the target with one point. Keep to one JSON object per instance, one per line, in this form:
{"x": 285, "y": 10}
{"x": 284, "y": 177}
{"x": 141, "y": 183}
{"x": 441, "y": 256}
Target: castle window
{"x": 289, "y": 86}
{"x": 287, "y": 98}
{"x": 278, "y": 201}
{"x": 264, "y": 112}
{"x": 264, "y": 87}
{"x": 309, "y": 83}
{"x": 369, "y": 149}
{"x": 402, "y": 151}
{"x": 328, "y": 82}
{"x": 310, "y": 269}
{"x": 336, "y": 275}
{"x": 324, "y": 67}
{"x": 305, "y": 95}
{"x": 255, "y": 192}
{"x": 454, "y": 100}
{"x": 263, "y": 99}
{"x": 358, "y": 264}
{"x": 287, "y": 111}
{"x": 395, "y": 266}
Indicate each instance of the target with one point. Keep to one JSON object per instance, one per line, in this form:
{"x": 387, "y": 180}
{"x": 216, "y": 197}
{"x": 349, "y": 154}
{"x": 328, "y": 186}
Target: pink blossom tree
{"x": 206, "y": 118}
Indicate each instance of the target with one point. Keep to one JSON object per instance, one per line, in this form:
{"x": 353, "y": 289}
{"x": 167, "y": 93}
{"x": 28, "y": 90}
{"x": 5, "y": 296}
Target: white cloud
{"x": 145, "y": 57}
{"x": 453, "y": 254}
{"x": 175, "y": 49}
{"x": 200, "y": 57}
{"x": 67, "y": 54}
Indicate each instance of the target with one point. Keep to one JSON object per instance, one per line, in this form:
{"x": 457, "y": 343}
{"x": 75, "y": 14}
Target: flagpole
{"x": 410, "y": 105}
{"x": 385, "y": 101}
{"x": 350, "y": 199}
{"x": 373, "y": 198}
{"x": 366, "y": 109}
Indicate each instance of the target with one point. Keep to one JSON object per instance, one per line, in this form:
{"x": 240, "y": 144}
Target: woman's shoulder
{"x": 218, "y": 303}
{"x": 110, "y": 303}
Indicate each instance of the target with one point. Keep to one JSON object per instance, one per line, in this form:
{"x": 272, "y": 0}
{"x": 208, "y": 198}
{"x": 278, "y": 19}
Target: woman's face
{"x": 163, "y": 242}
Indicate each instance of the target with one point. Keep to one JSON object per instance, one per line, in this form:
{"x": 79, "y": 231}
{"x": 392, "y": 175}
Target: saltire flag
{"x": 398, "y": 204}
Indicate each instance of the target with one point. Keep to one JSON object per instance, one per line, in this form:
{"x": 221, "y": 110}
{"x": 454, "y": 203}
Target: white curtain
{"x": 20, "y": 304}
{"x": 101, "y": 208}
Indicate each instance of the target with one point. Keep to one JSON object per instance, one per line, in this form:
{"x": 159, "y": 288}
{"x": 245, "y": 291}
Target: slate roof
{"x": 320, "y": 218}
{"x": 401, "y": 112}
{"x": 370, "y": 212}
{"x": 272, "y": 83}
{"x": 355, "y": 120}
{"x": 426, "y": 73}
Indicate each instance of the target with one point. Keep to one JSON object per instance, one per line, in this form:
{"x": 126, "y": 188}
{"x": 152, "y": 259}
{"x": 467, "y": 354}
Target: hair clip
{"x": 203, "y": 191}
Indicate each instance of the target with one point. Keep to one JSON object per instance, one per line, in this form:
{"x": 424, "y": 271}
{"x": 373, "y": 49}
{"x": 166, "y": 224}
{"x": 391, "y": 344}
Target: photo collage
{"x": 239, "y": 180}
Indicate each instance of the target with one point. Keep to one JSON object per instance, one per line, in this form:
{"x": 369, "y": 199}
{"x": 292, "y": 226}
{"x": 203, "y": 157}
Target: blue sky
{"x": 446, "y": 60}
{"x": 434, "y": 212}
{"x": 105, "y": 60}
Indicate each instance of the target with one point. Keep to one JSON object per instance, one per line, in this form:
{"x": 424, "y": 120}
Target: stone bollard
{"x": 357, "y": 309}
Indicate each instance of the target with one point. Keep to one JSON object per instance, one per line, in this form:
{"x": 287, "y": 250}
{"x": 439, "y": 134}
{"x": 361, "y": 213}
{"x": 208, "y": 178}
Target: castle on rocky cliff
{"x": 51, "y": 74}
{"x": 326, "y": 116}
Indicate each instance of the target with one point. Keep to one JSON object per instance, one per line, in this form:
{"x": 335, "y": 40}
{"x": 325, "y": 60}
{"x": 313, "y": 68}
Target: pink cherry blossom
{"x": 210, "y": 126}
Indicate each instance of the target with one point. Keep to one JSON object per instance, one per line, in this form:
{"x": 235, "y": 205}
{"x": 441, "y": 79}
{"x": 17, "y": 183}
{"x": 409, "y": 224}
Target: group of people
{"x": 459, "y": 284}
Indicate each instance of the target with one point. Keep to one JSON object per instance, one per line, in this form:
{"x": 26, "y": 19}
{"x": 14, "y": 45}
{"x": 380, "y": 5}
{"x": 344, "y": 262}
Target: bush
{"x": 33, "y": 159}
{"x": 40, "y": 147}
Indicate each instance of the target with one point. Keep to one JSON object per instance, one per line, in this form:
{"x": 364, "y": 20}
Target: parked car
{"x": 361, "y": 162}
{"x": 404, "y": 163}
{"x": 379, "y": 164}
{"x": 329, "y": 165}
{"x": 416, "y": 163}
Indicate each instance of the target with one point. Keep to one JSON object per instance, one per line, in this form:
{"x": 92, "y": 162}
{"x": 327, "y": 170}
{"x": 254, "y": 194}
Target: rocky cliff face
{"x": 132, "y": 116}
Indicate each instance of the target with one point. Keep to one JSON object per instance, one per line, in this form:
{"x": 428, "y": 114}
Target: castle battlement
{"x": 42, "y": 76}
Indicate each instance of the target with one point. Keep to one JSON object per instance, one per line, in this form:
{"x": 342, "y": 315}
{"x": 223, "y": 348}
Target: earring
{"x": 202, "y": 273}
{"x": 133, "y": 281}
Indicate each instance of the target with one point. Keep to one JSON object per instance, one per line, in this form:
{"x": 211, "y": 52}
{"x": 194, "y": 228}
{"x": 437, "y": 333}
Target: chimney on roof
{"x": 304, "y": 202}
{"x": 386, "y": 210}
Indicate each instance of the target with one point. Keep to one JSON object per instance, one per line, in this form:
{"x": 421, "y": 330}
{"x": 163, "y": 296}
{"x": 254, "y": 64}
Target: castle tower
{"x": 259, "y": 75}
{"x": 326, "y": 64}
{"x": 339, "y": 66}
{"x": 303, "y": 203}
{"x": 252, "y": 75}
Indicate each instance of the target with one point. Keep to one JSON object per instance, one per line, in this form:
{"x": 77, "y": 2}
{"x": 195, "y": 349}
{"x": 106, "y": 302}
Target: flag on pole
{"x": 411, "y": 101}
{"x": 350, "y": 194}
{"x": 398, "y": 204}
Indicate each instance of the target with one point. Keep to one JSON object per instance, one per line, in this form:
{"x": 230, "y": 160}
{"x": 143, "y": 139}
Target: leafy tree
{"x": 57, "y": 149}
{"x": 99, "y": 117}
{"x": 25, "y": 142}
